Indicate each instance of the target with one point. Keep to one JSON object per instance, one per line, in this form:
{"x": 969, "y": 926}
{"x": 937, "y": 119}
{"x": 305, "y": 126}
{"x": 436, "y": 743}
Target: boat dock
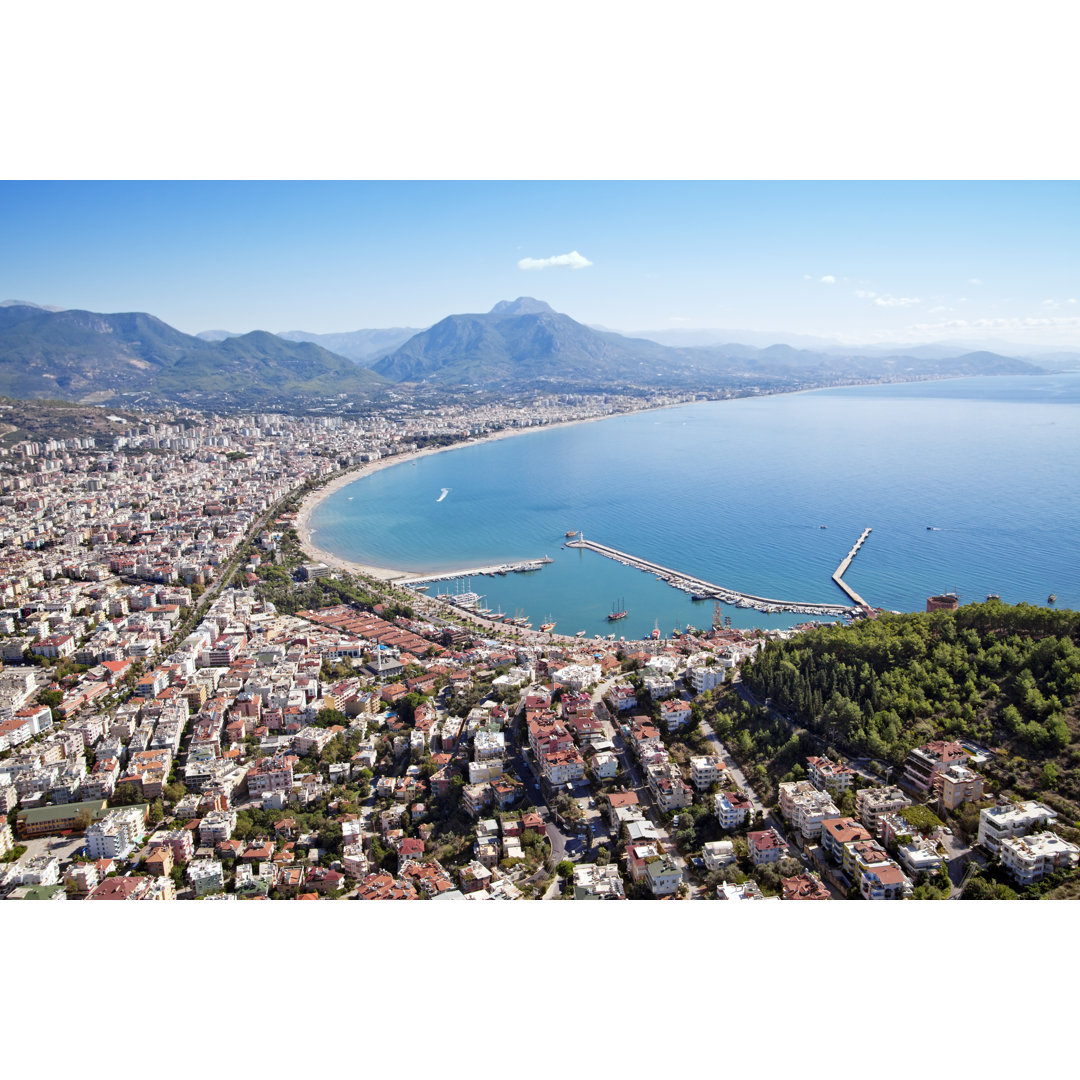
{"x": 707, "y": 589}
{"x": 525, "y": 567}
{"x": 838, "y": 574}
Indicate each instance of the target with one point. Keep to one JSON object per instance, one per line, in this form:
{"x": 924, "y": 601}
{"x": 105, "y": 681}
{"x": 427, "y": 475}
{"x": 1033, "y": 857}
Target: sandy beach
{"x": 383, "y": 573}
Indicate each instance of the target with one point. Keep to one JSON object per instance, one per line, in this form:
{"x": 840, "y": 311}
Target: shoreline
{"x": 357, "y": 472}
{"x": 388, "y": 574}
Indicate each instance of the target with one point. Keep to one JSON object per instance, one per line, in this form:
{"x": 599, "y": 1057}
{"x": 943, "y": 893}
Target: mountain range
{"x": 363, "y": 346}
{"x": 90, "y": 357}
{"x": 525, "y": 344}
{"x": 518, "y": 346}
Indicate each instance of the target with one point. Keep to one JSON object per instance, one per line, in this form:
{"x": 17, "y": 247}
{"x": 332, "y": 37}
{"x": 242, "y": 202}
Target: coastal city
{"x": 196, "y": 703}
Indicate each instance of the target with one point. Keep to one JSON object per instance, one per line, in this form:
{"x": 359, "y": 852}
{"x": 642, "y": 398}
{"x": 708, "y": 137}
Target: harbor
{"x": 528, "y": 566}
{"x": 700, "y": 589}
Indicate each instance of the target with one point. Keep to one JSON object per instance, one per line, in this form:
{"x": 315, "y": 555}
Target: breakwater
{"x": 499, "y": 569}
{"x": 702, "y": 589}
{"x": 839, "y": 572}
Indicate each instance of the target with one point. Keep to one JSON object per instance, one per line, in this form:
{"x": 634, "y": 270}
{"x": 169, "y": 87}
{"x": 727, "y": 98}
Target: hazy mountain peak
{"x": 30, "y": 303}
{"x": 523, "y": 305}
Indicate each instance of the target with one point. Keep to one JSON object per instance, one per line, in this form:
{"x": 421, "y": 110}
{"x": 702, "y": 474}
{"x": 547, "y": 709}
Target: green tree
{"x": 565, "y": 869}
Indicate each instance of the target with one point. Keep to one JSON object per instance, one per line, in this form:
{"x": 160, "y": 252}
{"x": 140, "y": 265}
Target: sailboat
{"x": 621, "y": 613}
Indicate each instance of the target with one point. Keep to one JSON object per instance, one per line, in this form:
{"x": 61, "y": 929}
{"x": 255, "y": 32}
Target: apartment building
{"x": 998, "y": 823}
{"x": 872, "y": 802}
{"x": 1030, "y": 858}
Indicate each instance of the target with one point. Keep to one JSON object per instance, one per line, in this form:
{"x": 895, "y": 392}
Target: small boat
{"x": 546, "y": 626}
{"x": 620, "y": 614}
{"x": 571, "y": 534}
{"x": 580, "y": 633}
{"x": 932, "y": 528}
{"x": 676, "y": 632}
{"x": 823, "y": 526}
{"x": 1051, "y": 598}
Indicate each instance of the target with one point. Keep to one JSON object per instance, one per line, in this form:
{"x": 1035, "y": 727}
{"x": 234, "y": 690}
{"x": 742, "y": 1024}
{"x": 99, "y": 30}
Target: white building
{"x": 117, "y": 834}
{"x": 1031, "y": 858}
{"x": 717, "y": 854}
{"x": 592, "y": 882}
{"x": 206, "y": 876}
{"x": 998, "y": 823}
{"x": 706, "y": 771}
{"x": 705, "y": 678}
{"x": 873, "y": 802}
{"x": 605, "y": 765}
{"x": 806, "y": 808}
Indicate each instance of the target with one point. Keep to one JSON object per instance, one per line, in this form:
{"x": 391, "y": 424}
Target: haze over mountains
{"x": 91, "y": 357}
{"x": 518, "y": 346}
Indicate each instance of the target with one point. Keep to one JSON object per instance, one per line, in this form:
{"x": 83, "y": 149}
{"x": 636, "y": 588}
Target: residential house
{"x": 804, "y": 887}
{"x": 766, "y": 846}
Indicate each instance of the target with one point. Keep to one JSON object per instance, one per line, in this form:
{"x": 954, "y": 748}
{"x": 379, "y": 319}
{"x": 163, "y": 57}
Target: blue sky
{"x": 856, "y": 261}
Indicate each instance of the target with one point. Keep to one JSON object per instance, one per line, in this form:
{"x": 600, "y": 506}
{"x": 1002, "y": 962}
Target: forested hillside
{"x": 1006, "y": 677}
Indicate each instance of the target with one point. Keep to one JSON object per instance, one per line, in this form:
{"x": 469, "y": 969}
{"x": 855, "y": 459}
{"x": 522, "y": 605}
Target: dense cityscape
{"x": 191, "y": 706}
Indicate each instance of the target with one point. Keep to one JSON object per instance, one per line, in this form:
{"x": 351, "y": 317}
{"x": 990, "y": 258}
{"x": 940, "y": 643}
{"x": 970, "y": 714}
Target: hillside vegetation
{"x": 1007, "y": 677}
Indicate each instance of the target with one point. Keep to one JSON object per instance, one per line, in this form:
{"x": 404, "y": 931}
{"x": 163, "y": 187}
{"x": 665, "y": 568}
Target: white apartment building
{"x": 871, "y": 803}
{"x": 1031, "y": 858}
{"x": 997, "y": 823}
{"x": 706, "y": 771}
{"x": 705, "y": 678}
{"x": 217, "y": 826}
{"x": 806, "y": 808}
{"x": 730, "y": 812}
{"x": 206, "y": 876}
{"x": 117, "y": 834}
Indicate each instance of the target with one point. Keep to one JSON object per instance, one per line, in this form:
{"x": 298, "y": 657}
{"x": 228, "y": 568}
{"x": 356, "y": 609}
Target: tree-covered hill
{"x": 1005, "y": 676}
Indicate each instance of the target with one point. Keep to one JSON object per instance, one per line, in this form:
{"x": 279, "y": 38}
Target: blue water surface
{"x": 736, "y": 492}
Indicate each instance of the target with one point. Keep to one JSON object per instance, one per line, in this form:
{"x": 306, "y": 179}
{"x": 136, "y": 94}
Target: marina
{"x": 700, "y": 589}
{"x": 414, "y": 581}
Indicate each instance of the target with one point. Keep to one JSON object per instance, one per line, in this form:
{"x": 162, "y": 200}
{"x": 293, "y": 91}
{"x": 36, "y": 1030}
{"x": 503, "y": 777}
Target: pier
{"x": 838, "y": 573}
{"x": 707, "y": 589}
{"x": 412, "y": 580}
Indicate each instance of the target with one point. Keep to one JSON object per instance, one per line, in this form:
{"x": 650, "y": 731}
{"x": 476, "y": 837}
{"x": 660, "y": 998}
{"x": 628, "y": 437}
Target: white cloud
{"x": 939, "y": 308}
{"x": 1049, "y": 303}
{"x": 865, "y": 294}
{"x": 974, "y": 281}
{"x": 574, "y": 259}
{"x": 828, "y": 279}
{"x": 896, "y": 301}
{"x": 1071, "y": 300}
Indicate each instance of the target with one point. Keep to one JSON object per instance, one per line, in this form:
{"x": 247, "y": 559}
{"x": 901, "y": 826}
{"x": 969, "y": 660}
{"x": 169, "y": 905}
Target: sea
{"x": 970, "y": 486}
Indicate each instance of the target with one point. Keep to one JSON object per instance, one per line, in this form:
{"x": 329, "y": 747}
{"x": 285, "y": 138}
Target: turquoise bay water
{"x": 736, "y": 491}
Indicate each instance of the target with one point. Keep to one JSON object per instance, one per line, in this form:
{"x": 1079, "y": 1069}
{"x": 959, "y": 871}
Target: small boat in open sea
{"x": 571, "y": 533}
